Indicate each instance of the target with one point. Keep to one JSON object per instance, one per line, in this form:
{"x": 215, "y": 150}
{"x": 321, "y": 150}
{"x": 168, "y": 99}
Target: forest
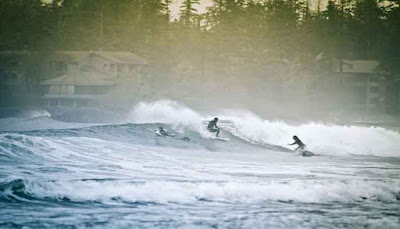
{"x": 232, "y": 38}
{"x": 241, "y": 33}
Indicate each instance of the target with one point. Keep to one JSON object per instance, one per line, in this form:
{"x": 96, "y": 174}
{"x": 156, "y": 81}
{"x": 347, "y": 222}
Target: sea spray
{"x": 125, "y": 176}
{"x": 320, "y": 138}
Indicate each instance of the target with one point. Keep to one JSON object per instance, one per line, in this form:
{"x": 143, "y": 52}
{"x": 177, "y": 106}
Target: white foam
{"x": 319, "y": 138}
{"x": 164, "y": 112}
{"x": 170, "y": 112}
{"x": 310, "y": 191}
{"x": 38, "y": 113}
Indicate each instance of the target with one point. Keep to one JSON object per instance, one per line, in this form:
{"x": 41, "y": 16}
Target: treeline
{"x": 231, "y": 37}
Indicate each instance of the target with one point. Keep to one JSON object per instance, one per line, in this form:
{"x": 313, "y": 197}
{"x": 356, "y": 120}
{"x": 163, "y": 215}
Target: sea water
{"x": 55, "y": 174}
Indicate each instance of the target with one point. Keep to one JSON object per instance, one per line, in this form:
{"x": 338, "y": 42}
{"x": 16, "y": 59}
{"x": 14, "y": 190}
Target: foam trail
{"x": 38, "y": 113}
{"x": 301, "y": 191}
{"x": 320, "y": 138}
{"x": 169, "y": 112}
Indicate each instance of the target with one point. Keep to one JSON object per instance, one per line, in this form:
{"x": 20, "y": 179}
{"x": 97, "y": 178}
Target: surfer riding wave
{"x": 212, "y": 126}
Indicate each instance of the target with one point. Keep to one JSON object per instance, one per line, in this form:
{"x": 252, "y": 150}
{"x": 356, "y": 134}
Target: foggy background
{"x": 282, "y": 59}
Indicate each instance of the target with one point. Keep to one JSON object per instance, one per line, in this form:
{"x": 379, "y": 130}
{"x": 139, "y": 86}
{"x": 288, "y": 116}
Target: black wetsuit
{"x": 299, "y": 143}
{"x": 163, "y": 133}
{"x": 212, "y": 126}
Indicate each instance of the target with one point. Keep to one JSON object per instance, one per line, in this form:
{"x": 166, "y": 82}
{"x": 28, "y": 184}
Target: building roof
{"x": 116, "y": 57}
{"x": 21, "y": 52}
{"x": 358, "y": 66}
{"x": 55, "y": 96}
{"x": 69, "y": 56}
{"x": 82, "y": 78}
{"x": 122, "y": 57}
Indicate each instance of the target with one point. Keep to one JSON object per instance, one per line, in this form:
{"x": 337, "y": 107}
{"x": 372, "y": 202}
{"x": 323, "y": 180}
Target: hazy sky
{"x": 175, "y": 8}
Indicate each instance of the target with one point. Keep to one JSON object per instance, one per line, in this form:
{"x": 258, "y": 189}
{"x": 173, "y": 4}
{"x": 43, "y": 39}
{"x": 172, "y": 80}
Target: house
{"x": 116, "y": 63}
{"x": 82, "y": 78}
{"x": 352, "y": 85}
{"x": 74, "y": 89}
{"x": 19, "y": 78}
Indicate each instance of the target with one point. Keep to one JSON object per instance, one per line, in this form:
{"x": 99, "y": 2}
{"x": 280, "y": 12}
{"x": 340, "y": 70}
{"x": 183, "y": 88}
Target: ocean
{"x": 56, "y": 174}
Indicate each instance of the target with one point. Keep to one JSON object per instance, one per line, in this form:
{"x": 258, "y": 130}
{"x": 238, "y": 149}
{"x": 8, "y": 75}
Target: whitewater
{"x": 56, "y": 174}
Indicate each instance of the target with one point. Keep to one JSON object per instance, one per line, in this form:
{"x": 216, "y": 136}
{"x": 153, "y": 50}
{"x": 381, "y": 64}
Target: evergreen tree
{"x": 188, "y": 12}
{"x": 392, "y": 49}
{"x": 23, "y": 25}
{"x": 368, "y": 28}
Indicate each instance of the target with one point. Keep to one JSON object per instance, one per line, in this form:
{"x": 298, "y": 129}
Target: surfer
{"x": 212, "y": 126}
{"x": 185, "y": 139}
{"x": 298, "y": 142}
{"x": 162, "y": 132}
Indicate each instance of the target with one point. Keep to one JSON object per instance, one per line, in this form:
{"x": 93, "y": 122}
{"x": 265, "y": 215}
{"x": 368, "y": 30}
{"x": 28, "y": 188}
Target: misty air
{"x": 199, "y": 114}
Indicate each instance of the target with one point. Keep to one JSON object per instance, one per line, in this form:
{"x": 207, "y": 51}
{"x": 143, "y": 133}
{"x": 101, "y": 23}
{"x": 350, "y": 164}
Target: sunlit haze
{"x": 199, "y": 114}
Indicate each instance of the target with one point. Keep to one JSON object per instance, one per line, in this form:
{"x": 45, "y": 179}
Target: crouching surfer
{"x": 298, "y": 142}
{"x": 301, "y": 147}
{"x": 212, "y": 126}
{"x": 162, "y": 132}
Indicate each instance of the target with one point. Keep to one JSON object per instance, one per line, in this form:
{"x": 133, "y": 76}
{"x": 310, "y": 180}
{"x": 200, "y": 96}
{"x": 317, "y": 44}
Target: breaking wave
{"x": 105, "y": 191}
{"x": 55, "y": 174}
{"x": 320, "y": 138}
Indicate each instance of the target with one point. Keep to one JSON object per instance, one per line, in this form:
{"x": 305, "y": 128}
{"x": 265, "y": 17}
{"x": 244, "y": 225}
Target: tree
{"x": 188, "y": 12}
{"x": 368, "y": 28}
{"x": 23, "y": 25}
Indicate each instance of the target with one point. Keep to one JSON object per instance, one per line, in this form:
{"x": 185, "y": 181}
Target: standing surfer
{"x": 212, "y": 126}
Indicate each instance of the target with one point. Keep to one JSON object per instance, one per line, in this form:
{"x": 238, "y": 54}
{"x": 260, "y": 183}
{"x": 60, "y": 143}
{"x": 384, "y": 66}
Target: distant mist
{"x": 271, "y": 56}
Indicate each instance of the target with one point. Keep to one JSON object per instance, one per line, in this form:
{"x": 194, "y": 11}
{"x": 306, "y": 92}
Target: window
{"x": 112, "y": 67}
{"x": 51, "y": 89}
{"x": 67, "y": 102}
{"x": 64, "y": 90}
{"x": 59, "y": 66}
{"x": 131, "y": 67}
{"x": 121, "y": 67}
{"x": 54, "y": 90}
{"x": 71, "y": 90}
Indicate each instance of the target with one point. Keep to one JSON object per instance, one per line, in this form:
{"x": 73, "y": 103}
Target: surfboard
{"x": 162, "y": 135}
{"x": 221, "y": 139}
{"x": 307, "y": 153}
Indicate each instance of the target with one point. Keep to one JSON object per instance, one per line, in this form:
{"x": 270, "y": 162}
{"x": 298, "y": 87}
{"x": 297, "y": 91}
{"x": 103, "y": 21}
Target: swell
{"x": 243, "y": 133}
{"x": 245, "y": 130}
{"x": 108, "y": 191}
{"x": 136, "y": 134}
{"x": 15, "y": 191}
{"x": 324, "y": 139}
